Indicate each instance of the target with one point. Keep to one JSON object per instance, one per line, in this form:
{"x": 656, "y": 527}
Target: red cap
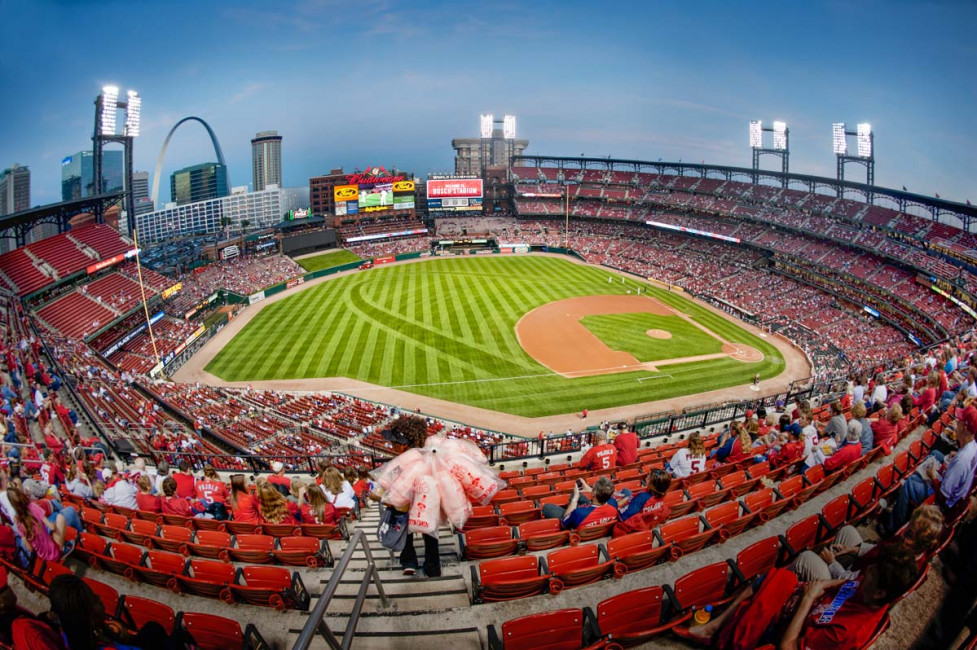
{"x": 969, "y": 418}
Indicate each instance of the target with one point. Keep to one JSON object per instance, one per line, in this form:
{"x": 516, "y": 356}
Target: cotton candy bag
{"x": 425, "y": 507}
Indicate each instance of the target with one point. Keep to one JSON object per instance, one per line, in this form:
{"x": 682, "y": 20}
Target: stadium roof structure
{"x": 22, "y": 222}
{"x": 936, "y": 208}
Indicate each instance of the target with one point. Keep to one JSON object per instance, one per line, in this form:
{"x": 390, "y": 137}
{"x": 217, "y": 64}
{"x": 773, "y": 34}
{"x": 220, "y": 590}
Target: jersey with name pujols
{"x": 599, "y": 457}
{"x": 591, "y": 515}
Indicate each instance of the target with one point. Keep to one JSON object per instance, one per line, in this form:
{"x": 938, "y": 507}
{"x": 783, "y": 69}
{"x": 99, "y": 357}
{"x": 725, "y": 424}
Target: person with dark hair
{"x": 581, "y": 512}
{"x": 626, "y": 443}
{"x": 653, "y": 498}
{"x": 184, "y": 480}
{"x": 243, "y": 504}
{"x": 817, "y": 615}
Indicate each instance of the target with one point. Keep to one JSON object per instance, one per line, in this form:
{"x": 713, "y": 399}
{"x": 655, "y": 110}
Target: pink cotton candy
{"x": 401, "y": 491}
{"x": 478, "y": 481}
{"x": 454, "y": 503}
{"x": 425, "y": 507}
{"x": 452, "y": 446}
{"x": 388, "y": 473}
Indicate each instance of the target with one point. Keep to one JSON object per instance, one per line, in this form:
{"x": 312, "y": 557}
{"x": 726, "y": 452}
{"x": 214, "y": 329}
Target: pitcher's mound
{"x": 659, "y": 334}
{"x": 743, "y": 353}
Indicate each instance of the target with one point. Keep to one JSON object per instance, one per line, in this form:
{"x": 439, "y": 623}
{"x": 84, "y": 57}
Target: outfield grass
{"x": 627, "y": 332}
{"x": 327, "y": 260}
{"x": 445, "y": 328}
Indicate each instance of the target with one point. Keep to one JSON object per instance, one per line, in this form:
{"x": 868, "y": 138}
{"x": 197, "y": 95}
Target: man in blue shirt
{"x": 952, "y": 486}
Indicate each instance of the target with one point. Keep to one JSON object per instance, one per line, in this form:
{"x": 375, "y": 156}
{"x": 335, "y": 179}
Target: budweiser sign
{"x": 373, "y": 176}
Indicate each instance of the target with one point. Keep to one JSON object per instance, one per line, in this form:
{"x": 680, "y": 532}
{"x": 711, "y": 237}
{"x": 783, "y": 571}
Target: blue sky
{"x": 363, "y": 83}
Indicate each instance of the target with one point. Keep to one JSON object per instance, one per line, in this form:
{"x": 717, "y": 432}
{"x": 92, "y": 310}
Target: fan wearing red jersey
{"x": 210, "y": 488}
{"x": 602, "y": 455}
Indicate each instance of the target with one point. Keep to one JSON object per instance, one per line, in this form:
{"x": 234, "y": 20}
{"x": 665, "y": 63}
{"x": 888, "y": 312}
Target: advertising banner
{"x": 454, "y": 188}
{"x": 341, "y": 208}
{"x": 384, "y": 260}
{"x": 342, "y": 193}
{"x": 294, "y": 282}
{"x": 256, "y": 297}
{"x": 404, "y": 203}
{"x": 404, "y": 186}
{"x": 104, "y": 264}
{"x": 169, "y": 292}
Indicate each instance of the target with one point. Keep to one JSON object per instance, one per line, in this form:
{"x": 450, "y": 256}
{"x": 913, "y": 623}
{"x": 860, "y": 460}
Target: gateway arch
{"x": 166, "y": 142}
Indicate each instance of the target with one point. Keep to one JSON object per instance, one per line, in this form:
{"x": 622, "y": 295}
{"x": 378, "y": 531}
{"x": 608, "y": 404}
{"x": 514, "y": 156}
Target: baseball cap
{"x": 36, "y": 489}
{"x": 969, "y": 417}
{"x": 277, "y": 466}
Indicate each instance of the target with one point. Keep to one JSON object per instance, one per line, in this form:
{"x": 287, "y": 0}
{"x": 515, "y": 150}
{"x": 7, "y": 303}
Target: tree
{"x": 244, "y": 224}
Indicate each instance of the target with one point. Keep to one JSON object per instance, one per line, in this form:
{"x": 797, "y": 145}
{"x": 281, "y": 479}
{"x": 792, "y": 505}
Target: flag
{"x": 937, "y": 195}
{"x": 904, "y": 189}
{"x": 968, "y": 202}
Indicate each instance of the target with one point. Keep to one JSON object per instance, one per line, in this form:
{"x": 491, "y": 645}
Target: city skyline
{"x": 396, "y": 83}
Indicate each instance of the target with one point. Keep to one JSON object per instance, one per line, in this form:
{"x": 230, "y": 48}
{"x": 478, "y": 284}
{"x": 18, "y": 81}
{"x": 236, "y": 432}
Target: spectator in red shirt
{"x": 184, "y": 480}
{"x": 885, "y": 430}
{"x": 830, "y": 614}
{"x": 626, "y": 444}
{"x": 925, "y": 400}
{"x": 210, "y": 488}
{"x": 274, "y": 508}
{"x": 601, "y": 456}
{"x": 173, "y": 504}
{"x": 51, "y": 470}
{"x": 316, "y": 509}
{"x": 586, "y": 514}
{"x": 244, "y": 505}
{"x": 146, "y": 500}
{"x": 850, "y": 450}
{"x": 279, "y": 478}
{"x": 790, "y": 452}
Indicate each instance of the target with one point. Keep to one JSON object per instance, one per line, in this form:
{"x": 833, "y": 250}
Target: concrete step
{"x": 458, "y": 639}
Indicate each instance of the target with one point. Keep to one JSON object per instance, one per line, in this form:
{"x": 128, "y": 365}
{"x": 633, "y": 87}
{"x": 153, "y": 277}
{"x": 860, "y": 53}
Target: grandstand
{"x": 804, "y": 265}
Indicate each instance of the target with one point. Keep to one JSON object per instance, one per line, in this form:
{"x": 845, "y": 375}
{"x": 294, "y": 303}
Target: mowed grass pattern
{"x": 628, "y": 333}
{"x": 445, "y": 328}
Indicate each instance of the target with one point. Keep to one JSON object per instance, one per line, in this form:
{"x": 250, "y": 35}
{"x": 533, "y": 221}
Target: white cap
{"x": 276, "y": 466}
{"x": 106, "y": 474}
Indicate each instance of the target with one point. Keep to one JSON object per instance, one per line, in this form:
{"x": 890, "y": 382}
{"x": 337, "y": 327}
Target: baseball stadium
{"x": 543, "y": 401}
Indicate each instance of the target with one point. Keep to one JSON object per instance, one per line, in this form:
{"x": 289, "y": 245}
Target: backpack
{"x": 641, "y": 522}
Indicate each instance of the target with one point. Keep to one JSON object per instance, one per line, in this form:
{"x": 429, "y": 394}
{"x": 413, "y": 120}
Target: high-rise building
{"x": 78, "y": 174}
{"x": 15, "y": 189}
{"x": 199, "y": 183}
{"x": 140, "y": 192}
{"x": 495, "y": 148}
{"x": 15, "y": 195}
{"x": 266, "y": 160}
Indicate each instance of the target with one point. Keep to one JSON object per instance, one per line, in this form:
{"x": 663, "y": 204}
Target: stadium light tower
{"x": 107, "y": 104}
{"x": 780, "y": 149}
{"x": 864, "y": 150}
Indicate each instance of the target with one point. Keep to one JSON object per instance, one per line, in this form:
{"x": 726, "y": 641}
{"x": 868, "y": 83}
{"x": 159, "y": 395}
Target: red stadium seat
{"x": 253, "y": 549}
{"x": 686, "y": 534}
{"x": 801, "y": 536}
{"x": 209, "y": 543}
{"x": 518, "y": 512}
{"x": 270, "y": 587}
{"x": 678, "y": 505}
{"x": 303, "y": 551}
{"x": 706, "y": 494}
{"x": 211, "y": 632}
{"x": 703, "y": 586}
{"x": 481, "y": 517}
{"x": 543, "y": 534}
{"x": 638, "y": 550}
{"x": 726, "y": 518}
{"x": 738, "y": 483}
{"x": 161, "y": 568}
{"x": 594, "y": 531}
{"x": 577, "y": 565}
{"x": 137, "y": 611}
{"x": 833, "y": 516}
{"x": 483, "y": 543}
{"x": 208, "y": 578}
{"x": 755, "y": 559}
{"x": 564, "y": 629}
{"x": 766, "y": 504}
{"x": 863, "y": 501}
{"x": 107, "y": 594}
{"x": 139, "y": 530}
{"x": 508, "y": 578}
{"x": 172, "y": 538}
{"x": 634, "y": 617}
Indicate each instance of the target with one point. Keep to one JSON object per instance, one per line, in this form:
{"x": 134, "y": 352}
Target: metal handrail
{"x": 316, "y": 623}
